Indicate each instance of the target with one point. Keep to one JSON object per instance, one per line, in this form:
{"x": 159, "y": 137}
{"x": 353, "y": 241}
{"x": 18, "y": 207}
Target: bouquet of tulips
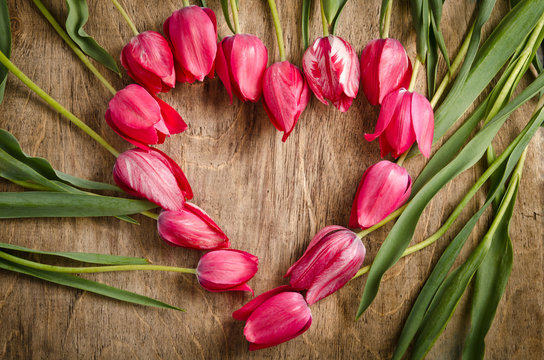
{"x": 190, "y": 50}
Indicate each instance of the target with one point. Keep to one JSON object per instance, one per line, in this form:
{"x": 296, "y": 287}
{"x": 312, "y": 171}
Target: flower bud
{"x": 331, "y": 67}
{"x": 191, "y": 228}
{"x": 142, "y": 119}
{"x": 285, "y": 95}
{"x": 274, "y": 317}
{"x": 149, "y": 61}
{"x": 152, "y": 175}
{"x": 384, "y": 188}
{"x": 333, "y": 257}
{"x": 241, "y": 62}
{"x": 226, "y": 270}
{"x": 192, "y": 31}
{"x": 405, "y": 117}
{"x": 385, "y": 67}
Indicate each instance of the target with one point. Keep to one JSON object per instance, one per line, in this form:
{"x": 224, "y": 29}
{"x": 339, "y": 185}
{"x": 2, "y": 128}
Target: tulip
{"x": 226, "y": 270}
{"x": 274, "y": 317}
{"x": 149, "y": 61}
{"x": 332, "y": 70}
{"x": 142, "y": 119}
{"x": 285, "y": 95}
{"x": 192, "y": 31}
{"x": 384, "y": 188}
{"x": 152, "y": 175}
{"x": 405, "y": 117}
{"x": 241, "y": 62}
{"x": 191, "y": 228}
{"x": 385, "y": 67}
{"x": 333, "y": 257}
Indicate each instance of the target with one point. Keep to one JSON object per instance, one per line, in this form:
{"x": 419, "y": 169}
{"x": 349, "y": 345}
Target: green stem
{"x": 401, "y": 159}
{"x": 125, "y": 16}
{"x": 234, "y": 9}
{"x": 384, "y": 33}
{"x": 395, "y": 214}
{"x": 73, "y": 45}
{"x": 55, "y": 105}
{"x": 324, "y": 20}
{"x": 186, "y": 3}
{"x": 91, "y": 269}
{"x": 149, "y": 214}
{"x": 277, "y": 25}
{"x": 414, "y": 75}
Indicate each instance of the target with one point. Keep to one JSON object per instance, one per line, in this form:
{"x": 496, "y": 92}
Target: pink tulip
{"x": 152, "y": 175}
{"x": 384, "y": 188}
{"x": 405, "y": 117}
{"x": 192, "y": 31}
{"x": 285, "y": 95}
{"x": 226, "y": 270}
{"x": 149, "y": 61}
{"x": 142, "y": 119}
{"x": 333, "y": 257}
{"x": 191, "y": 228}
{"x": 241, "y": 62}
{"x": 385, "y": 67}
{"x": 332, "y": 70}
{"x": 274, "y": 317}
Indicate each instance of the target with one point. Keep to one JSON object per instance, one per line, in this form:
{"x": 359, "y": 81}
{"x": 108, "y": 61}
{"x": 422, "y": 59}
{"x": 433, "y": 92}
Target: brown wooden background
{"x": 269, "y": 197}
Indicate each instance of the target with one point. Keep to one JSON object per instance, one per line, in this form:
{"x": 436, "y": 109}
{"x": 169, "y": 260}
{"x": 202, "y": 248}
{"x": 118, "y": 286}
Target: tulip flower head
{"x": 384, "y": 188}
{"x": 152, "y": 175}
{"x": 385, "y": 67}
{"x": 333, "y": 257}
{"x": 191, "y": 228}
{"x": 226, "y": 270}
{"x": 241, "y": 62}
{"x": 192, "y": 31}
{"x": 274, "y": 317}
{"x": 405, "y": 117}
{"x": 142, "y": 119}
{"x": 332, "y": 70}
{"x": 285, "y": 95}
{"x": 149, "y": 61}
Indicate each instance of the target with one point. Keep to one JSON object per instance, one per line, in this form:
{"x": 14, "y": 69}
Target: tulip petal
{"x": 370, "y": 59}
{"x": 134, "y": 142}
{"x": 222, "y": 66}
{"x": 224, "y": 270}
{"x": 315, "y": 65}
{"x": 388, "y": 111}
{"x": 395, "y": 69}
{"x": 346, "y": 62}
{"x": 172, "y": 119}
{"x": 181, "y": 179}
{"x": 253, "y": 347}
{"x": 423, "y": 123}
{"x": 248, "y": 60}
{"x": 243, "y": 313}
{"x": 400, "y": 132}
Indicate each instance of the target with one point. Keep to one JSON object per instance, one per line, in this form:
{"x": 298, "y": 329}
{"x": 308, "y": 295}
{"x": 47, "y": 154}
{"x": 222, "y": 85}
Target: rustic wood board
{"x": 269, "y": 197}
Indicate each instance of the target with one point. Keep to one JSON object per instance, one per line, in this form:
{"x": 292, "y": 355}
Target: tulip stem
{"x": 401, "y": 159}
{"x": 149, "y": 214}
{"x": 91, "y": 269}
{"x": 395, "y": 214}
{"x": 384, "y": 33}
{"x": 186, "y": 3}
{"x": 55, "y": 105}
{"x": 234, "y": 9}
{"x": 126, "y": 17}
{"x": 324, "y": 20}
{"x": 73, "y": 45}
{"x": 414, "y": 75}
{"x": 277, "y": 25}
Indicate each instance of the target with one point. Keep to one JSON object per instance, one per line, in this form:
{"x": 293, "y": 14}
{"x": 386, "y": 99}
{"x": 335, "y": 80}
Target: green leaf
{"x": 332, "y": 9}
{"x": 203, "y": 3}
{"x": 335, "y": 20}
{"x": 84, "y": 183}
{"x": 56, "y": 204}
{"x": 432, "y": 65}
{"x": 306, "y": 4}
{"x": 420, "y": 19}
{"x": 402, "y": 232}
{"x": 83, "y": 257}
{"x": 87, "y": 285}
{"x": 78, "y": 14}
{"x": 5, "y": 44}
{"x": 225, "y": 7}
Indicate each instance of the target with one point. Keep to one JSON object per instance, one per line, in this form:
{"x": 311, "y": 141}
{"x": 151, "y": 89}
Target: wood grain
{"x": 269, "y": 197}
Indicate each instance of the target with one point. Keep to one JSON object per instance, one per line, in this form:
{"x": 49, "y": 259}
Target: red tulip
{"x": 226, "y": 270}
{"x": 385, "y": 67}
{"x": 332, "y": 70}
{"x": 192, "y": 31}
{"x": 404, "y": 118}
{"x": 333, "y": 257}
{"x": 142, "y": 119}
{"x": 191, "y": 228}
{"x": 241, "y": 62}
{"x": 152, "y": 175}
{"x": 384, "y": 188}
{"x": 149, "y": 61}
{"x": 274, "y": 317}
{"x": 285, "y": 95}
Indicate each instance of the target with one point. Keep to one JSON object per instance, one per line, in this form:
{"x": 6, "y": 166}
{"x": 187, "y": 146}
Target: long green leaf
{"x": 335, "y": 20}
{"x": 78, "y": 14}
{"x": 92, "y": 258}
{"x": 332, "y": 9}
{"x": 5, "y": 44}
{"x": 420, "y": 19}
{"x": 225, "y": 8}
{"x": 87, "y": 285}
{"x": 56, "y": 204}
{"x": 306, "y": 4}
{"x": 402, "y": 232}
{"x": 432, "y": 64}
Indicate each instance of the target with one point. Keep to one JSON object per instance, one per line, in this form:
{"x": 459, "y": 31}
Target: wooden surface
{"x": 269, "y": 198}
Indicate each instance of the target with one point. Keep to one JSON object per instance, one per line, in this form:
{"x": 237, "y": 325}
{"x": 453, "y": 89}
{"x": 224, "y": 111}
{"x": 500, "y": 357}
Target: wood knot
{"x": 15, "y": 24}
